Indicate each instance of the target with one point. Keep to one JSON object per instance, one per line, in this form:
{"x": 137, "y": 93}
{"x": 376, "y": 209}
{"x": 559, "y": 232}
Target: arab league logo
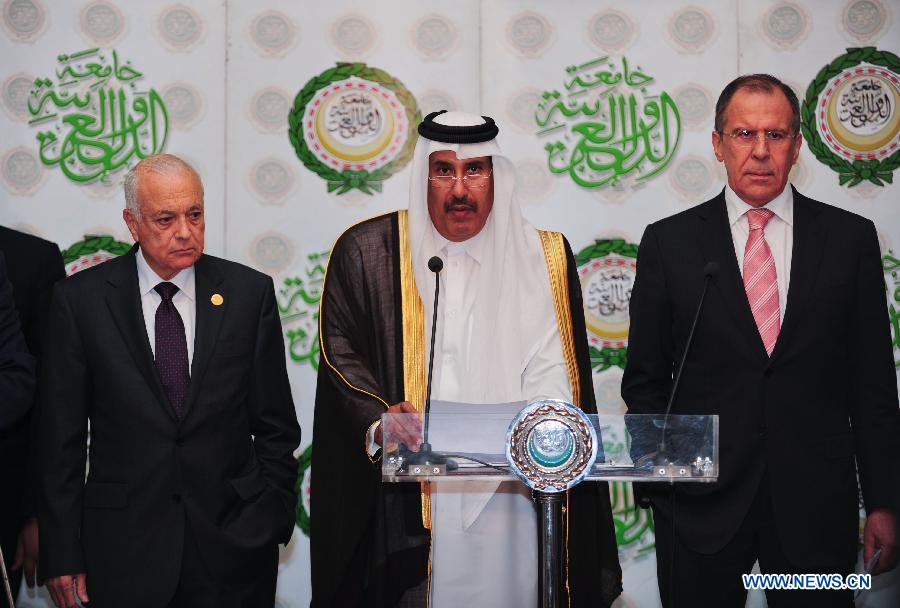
{"x": 96, "y": 117}
{"x": 607, "y": 270}
{"x": 851, "y": 116}
{"x": 302, "y": 489}
{"x": 93, "y": 250}
{"x": 354, "y": 126}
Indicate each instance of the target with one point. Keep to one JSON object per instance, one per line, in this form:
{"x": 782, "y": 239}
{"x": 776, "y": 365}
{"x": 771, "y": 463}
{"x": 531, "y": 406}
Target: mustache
{"x": 460, "y": 204}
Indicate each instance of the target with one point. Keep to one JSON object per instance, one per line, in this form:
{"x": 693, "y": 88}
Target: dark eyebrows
{"x": 164, "y": 213}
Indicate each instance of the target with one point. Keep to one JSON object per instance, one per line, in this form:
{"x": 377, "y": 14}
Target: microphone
{"x": 710, "y": 273}
{"x": 425, "y": 455}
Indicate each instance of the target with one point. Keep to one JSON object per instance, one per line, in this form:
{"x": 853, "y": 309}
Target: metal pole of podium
{"x": 549, "y": 547}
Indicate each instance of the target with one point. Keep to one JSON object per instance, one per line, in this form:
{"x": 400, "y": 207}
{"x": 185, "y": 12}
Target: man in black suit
{"x": 793, "y": 353}
{"x": 34, "y": 266}
{"x": 177, "y": 360}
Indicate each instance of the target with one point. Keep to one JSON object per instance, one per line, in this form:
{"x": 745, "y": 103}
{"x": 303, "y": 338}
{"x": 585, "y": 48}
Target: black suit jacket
{"x": 228, "y": 465}
{"x": 33, "y": 266}
{"x": 16, "y": 363}
{"x": 825, "y": 401}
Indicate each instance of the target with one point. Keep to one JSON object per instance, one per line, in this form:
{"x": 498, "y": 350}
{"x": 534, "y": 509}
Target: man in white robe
{"x": 509, "y": 302}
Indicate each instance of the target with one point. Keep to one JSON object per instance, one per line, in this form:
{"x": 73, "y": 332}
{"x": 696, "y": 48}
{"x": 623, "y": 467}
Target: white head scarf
{"x": 513, "y": 307}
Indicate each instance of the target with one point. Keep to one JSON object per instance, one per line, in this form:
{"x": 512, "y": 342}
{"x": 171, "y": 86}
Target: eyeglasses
{"x": 473, "y": 181}
{"x": 746, "y": 138}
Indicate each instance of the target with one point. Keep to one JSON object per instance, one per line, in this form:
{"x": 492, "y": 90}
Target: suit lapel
{"x": 718, "y": 246}
{"x": 208, "y": 322}
{"x": 124, "y": 303}
{"x": 809, "y": 242}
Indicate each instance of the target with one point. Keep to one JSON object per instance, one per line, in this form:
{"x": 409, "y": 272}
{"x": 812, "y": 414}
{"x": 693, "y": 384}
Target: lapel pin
{"x": 216, "y": 299}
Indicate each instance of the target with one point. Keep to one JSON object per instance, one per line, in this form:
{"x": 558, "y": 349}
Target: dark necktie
{"x": 171, "y": 349}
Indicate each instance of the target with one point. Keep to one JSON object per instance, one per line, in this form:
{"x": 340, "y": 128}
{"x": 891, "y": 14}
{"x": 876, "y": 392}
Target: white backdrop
{"x": 228, "y": 72}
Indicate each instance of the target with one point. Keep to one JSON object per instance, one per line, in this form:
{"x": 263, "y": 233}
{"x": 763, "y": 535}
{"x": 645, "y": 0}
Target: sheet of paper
{"x": 473, "y": 428}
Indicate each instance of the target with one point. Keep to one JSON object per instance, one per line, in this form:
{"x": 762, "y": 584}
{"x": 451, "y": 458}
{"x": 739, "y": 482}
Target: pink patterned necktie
{"x": 760, "y": 280}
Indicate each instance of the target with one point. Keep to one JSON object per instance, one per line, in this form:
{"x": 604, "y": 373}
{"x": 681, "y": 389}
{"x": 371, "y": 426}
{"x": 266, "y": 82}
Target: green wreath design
{"x": 348, "y": 179}
{"x": 849, "y": 173}
{"x": 608, "y": 356}
{"x": 604, "y": 247}
{"x": 93, "y": 244}
{"x": 303, "y": 463}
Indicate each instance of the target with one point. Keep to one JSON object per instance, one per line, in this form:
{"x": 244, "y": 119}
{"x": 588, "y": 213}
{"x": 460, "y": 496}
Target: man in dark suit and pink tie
{"x": 792, "y": 351}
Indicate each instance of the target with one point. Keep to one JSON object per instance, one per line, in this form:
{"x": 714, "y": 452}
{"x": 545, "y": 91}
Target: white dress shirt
{"x": 779, "y": 233}
{"x": 185, "y": 301}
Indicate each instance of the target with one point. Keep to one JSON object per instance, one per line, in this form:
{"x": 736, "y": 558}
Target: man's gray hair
{"x": 158, "y": 164}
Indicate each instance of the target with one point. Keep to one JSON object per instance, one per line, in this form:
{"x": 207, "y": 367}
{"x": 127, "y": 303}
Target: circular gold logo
{"x": 850, "y": 118}
{"x": 861, "y": 111}
{"x": 351, "y": 125}
{"x": 356, "y": 121}
{"x": 606, "y": 270}
{"x": 606, "y": 288}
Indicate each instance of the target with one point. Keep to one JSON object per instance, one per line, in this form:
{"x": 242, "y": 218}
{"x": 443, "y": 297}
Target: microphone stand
{"x": 661, "y": 456}
{"x": 426, "y": 455}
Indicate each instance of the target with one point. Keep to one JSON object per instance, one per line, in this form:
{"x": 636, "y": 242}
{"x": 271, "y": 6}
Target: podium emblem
{"x": 551, "y": 445}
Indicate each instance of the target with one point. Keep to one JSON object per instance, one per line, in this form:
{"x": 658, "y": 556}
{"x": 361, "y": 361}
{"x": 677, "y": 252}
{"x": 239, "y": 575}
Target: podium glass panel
{"x": 631, "y": 447}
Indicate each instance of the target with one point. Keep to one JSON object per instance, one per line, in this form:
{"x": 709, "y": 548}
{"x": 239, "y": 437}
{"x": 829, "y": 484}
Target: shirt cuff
{"x": 372, "y": 448}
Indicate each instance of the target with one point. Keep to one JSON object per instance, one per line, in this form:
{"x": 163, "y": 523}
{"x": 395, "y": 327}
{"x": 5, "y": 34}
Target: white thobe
{"x": 484, "y": 536}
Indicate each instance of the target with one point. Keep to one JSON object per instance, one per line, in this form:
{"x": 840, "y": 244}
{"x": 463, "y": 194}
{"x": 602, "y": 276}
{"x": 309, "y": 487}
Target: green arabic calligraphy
{"x": 103, "y": 123}
{"x": 633, "y": 78}
{"x": 631, "y": 522}
{"x": 890, "y": 264}
{"x": 123, "y": 73}
{"x": 603, "y": 131}
{"x": 298, "y": 307}
{"x": 894, "y": 317}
